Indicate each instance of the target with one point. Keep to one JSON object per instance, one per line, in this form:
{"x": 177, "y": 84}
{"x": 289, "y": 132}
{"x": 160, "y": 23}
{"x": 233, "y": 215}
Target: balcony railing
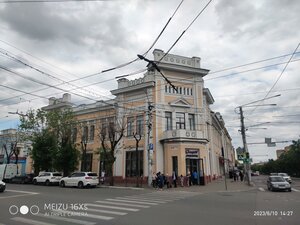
{"x": 182, "y": 134}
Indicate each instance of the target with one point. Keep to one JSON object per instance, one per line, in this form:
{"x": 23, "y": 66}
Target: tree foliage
{"x": 288, "y": 162}
{"x": 50, "y": 133}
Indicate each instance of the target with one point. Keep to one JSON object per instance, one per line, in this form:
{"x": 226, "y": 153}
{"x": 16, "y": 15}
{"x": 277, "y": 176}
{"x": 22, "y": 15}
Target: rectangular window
{"x": 180, "y": 121}
{"x": 92, "y": 132}
{"x": 130, "y": 121}
{"x": 192, "y": 121}
{"x": 191, "y": 91}
{"x": 184, "y": 90}
{"x": 175, "y": 164}
{"x": 103, "y": 125}
{"x": 188, "y": 91}
{"x": 74, "y": 135}
{"x": 140, "y": 125}
{"x": 87, "y": 162}
{"x": 170, "y": 89}
{"x": 131, "y": 159}
{"x": 85, "y": 134}
{"x": 168, "y": 116}
{"x": 166, "y": 88}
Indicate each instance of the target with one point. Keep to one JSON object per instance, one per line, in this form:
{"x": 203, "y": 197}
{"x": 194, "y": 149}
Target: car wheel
{"x": 289, "y": 190}
{"x": 47, "y": 182}
{"x": 80, "y": 184}
{"x": 34, "y": 182}
{"x": 62, "y": 184}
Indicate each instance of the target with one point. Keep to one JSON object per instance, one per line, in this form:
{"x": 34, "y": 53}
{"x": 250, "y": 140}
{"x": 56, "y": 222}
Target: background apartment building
{"x": 177, "y": 128}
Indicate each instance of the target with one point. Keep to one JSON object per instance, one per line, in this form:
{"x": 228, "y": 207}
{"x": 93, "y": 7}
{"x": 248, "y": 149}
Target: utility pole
{"x": 150, "y": 107}
{"x": 246, "y": 162}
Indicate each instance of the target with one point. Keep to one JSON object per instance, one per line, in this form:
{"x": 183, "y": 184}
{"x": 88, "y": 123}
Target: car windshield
{"x": 283, "y": 174}
{"x": 277, "y": 179}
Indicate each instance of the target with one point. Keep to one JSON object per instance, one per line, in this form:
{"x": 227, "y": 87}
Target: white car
{"x": 80, "y": 179}
{"x": 286, "y": 177}
{"x": 2, "y": 186}
{"x": 47, "y": 178}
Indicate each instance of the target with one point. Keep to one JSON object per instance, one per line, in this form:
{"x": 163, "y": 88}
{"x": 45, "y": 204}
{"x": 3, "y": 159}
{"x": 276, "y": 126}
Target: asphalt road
{"x": 105, "y": 206}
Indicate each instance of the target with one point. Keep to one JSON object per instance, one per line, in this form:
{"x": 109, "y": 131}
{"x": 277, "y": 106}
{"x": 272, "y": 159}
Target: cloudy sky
{"x": 70, "y": 40}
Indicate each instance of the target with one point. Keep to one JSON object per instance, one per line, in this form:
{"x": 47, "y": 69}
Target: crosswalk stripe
{"x": 29, "y": 221}
{"x": 106, "y": 211}
{"x": 293, "y": 189}
{"x": 137, "y": 201}
{"x": 71, "y": 220}
{"x": 148, "y": 199}
{"x": 115, "y": 207}
{"x": 261, "y": 189}
{"x": 122, "y": 204}
{"x": 87, "y": 216}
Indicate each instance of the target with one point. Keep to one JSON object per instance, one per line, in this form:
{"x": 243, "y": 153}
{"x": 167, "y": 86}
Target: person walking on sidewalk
{"x": 241, "y": 176}
{"x": 181, "y": 180}
{"x": 174, "y": 179}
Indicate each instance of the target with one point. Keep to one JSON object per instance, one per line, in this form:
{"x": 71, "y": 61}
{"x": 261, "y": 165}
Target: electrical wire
{"x": 278, "y": 78}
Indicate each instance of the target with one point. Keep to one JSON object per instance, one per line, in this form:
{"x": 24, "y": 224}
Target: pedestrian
{"x": 160, "y": 180}
{"x": 102, "y": 178}
{"x": 154, "y": 180}
{"x": 237, "y": 173}
{"x": 181, "y": 180}
{"x": 195, "y": 177}
{"x": 241, "y": 176}
{"x": 174, "y": 179}
{"x": 188, "y": 179}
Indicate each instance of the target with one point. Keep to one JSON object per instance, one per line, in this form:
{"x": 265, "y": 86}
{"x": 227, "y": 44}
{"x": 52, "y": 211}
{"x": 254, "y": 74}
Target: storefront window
{"x": 131, "y": 163}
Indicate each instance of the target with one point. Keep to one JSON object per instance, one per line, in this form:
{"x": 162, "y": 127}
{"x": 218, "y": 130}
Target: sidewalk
{"x": 214, "y": 186}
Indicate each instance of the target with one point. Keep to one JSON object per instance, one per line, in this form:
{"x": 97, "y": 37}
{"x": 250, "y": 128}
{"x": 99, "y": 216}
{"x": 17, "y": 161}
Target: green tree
{"x": 50, "y": 132}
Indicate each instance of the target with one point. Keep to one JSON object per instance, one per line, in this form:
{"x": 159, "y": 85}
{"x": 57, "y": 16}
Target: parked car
{"x": 23, "y": 179}
{"x": 47, "y": 178}
{"x": 80, "y": 180}
{"x": 286, "y": 177}
{"x": 278, "y": 183}
{"x": 2, "y": 186}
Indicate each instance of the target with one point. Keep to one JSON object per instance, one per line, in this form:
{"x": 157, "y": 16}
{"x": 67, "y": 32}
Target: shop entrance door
{"x": 193, "y": 165}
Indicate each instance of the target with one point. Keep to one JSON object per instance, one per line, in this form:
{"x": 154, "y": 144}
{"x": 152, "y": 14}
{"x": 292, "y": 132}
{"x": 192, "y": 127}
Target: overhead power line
{"x": 188, "y": 27}
{"x": 279, "y": 75}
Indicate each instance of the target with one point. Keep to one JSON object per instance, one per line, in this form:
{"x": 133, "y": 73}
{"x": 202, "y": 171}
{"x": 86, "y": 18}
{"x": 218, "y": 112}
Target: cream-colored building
{"x": 179, "y": 132}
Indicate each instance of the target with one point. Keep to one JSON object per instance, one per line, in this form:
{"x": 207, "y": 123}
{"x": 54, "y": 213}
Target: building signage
{"x": 192, "y": 153}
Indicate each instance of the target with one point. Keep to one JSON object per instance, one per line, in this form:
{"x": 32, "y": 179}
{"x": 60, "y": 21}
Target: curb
{"x": 118, "y": 187}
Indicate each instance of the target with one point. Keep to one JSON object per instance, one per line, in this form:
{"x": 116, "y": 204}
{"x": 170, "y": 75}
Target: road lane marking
{"x": 122, "y": 204}
{"x": 22, "y": 193}
{"x": 130, "y": 200}
{"x": 29, "y": 221}
{"x": 115, "y": 207}
{"x": 105, "y": 211}
{"x": 87, "y": 216}
{"x": 149, "y": 199}
{"x": 293, "y": 189}
{"x": 261, "y": 189}
{"x": 56, "y": 217}
{"x": 25, "y": 192}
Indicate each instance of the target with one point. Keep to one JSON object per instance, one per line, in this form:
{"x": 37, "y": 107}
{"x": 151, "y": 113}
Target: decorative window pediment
{"x": 181, "y": 102}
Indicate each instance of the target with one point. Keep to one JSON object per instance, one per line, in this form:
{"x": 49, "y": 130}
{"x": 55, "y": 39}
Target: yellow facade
{"x": 178, "y": 131}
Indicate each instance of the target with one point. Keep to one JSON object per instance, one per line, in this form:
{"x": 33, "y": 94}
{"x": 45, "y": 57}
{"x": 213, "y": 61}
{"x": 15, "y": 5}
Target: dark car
{"x": 278, "y": 183}
{"x": 23, "y": 179}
